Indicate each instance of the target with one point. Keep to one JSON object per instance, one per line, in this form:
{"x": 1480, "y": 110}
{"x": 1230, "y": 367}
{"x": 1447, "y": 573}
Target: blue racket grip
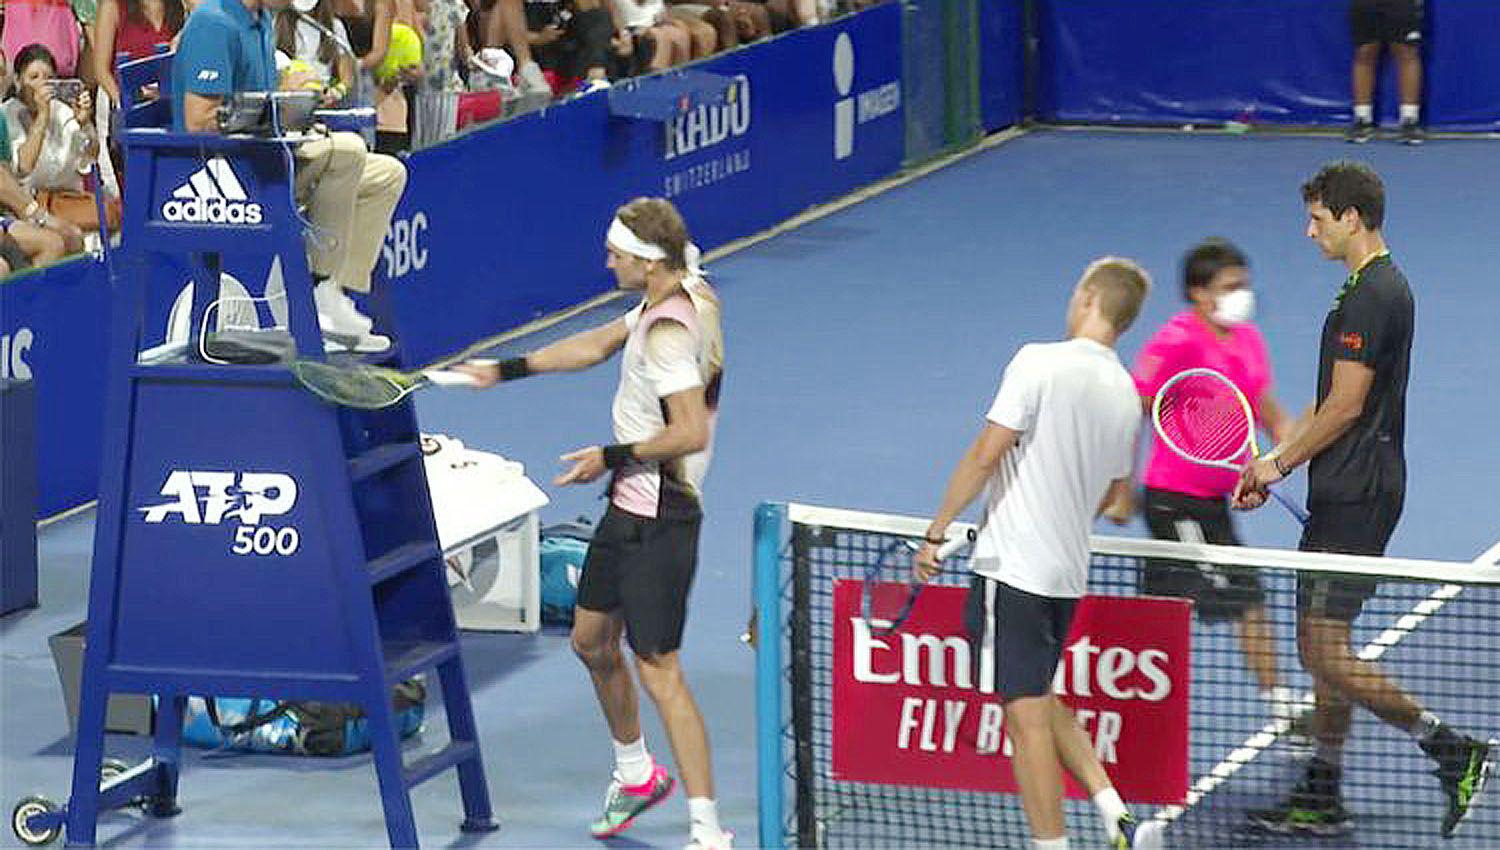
{"x": 1287, "y": 503}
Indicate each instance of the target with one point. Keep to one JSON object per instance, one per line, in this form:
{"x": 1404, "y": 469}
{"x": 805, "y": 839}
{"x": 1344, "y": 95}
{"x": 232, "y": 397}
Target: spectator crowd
{"x": 427, "y": 67}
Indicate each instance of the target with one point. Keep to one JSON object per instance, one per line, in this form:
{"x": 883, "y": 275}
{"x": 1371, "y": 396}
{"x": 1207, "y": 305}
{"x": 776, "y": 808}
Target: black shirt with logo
{"x": 1371, "y": 323}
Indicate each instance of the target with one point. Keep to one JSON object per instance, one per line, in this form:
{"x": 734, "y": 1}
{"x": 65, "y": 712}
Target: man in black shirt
{"x": 1353, "y": 444}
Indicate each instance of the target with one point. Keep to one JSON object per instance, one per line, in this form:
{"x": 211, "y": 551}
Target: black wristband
{"x": 938, "y": 542}
{"x": 618, "y": 455}
{"x": 514, "y": 369}
{"x": 1276, "y": 462}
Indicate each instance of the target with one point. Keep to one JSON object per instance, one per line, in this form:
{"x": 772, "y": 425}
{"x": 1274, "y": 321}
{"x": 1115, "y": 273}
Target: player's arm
{"x": 671, "y": 368}
{"x": 1118, "y": 503}
{"x": 581, "y": 350}
{"x": 570, "y": 354}
{"x": 686, "y": 432}
{"x": 974, "y": 470}
{"x": 1336, "y": 415}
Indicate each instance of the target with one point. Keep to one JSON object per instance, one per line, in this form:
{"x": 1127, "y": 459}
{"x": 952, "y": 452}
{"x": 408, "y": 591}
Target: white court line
{"x": 1259, "y": 742}
{"x": 1491, "y": 556}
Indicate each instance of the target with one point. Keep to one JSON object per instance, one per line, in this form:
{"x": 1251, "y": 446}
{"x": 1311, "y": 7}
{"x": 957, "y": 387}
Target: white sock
{"x": 703, "y": 815}
{"x": 1111, "y": 809}
{"x": 1425, "y": 726}
{"x": 1364, "y": 112}
{"x": 1050, "y": 843}
{"x": 632, "y": 762}
{"x": 1410, "y": 113}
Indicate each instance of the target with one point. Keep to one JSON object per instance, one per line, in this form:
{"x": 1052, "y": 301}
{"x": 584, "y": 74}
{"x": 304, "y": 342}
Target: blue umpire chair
{"x": 251, "y": 539}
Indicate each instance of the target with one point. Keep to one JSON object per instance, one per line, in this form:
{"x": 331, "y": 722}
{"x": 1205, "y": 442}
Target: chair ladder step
{"x": 432, "y": 764}
{"x": 408, "y": 658}
{"x": 401, "y": 559}
{"x": 378, "y": 460}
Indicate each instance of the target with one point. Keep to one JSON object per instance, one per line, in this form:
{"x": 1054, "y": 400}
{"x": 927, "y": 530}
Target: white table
{"x": 486, "y": 512}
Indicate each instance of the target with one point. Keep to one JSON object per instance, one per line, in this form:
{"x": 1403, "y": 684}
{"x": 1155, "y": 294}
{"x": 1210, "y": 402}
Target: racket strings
{"x": 1204, "y": 419}
{"x": 361, "y": 386}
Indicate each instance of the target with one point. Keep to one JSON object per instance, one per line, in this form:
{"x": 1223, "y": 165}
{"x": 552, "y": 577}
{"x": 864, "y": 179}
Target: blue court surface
{"x": 863, "y": 350}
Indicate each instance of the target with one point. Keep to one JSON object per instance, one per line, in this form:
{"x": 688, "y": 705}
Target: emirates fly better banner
{"x": 907, "y": 709}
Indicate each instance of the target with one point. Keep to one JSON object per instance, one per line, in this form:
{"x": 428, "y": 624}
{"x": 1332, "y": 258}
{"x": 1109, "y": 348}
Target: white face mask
{"x": 305, "y": 6}
{"x": 1235, "y": 308}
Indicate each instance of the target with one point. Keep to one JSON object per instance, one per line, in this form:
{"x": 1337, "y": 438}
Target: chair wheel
{"x": 22, "y": 814}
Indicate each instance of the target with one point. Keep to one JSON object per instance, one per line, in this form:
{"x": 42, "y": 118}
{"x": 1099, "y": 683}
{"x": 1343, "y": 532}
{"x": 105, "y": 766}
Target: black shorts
{"x": 1386, "y": 21}
{"x": 1017, "y": 637}
{"x": 1348, "y": 528}
{"x": 642, "y": 568}
{"x": 1220, "y": 594}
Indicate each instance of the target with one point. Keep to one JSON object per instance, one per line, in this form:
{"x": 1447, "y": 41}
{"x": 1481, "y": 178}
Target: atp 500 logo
{"x": 247, "y": 499}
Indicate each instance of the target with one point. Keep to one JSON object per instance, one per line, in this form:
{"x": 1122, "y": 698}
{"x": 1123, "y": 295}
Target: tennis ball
{"x": 300, "y": 75}
{"x": 405, "y": 49}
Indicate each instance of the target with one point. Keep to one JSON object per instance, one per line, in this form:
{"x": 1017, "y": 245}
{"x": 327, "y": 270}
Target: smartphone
{"x": 67, "y": 90}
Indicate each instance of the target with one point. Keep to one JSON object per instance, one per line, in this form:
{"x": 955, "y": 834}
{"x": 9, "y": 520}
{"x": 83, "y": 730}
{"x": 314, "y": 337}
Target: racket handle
{"x": 1287, "y": 503}
{"x": 954, "y": 544}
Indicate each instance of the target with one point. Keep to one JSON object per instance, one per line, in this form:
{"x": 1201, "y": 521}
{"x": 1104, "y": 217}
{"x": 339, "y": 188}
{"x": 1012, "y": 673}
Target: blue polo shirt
{"x": 224, "y": 48}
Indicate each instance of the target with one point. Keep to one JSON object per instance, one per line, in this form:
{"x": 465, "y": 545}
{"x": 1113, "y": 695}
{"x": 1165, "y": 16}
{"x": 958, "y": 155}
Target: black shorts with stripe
{"x": 1017, "y": 637}
{"x": 1386, "y": 21}
{"x": 643, "y": 568}
{"x": 1347, "y": 528}
{"x": 1219, "y": 594}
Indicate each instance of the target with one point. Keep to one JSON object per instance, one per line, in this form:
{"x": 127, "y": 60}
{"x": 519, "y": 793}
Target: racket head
{"x": 1203, "y": 417}
{"x": 359, "y": 386}
{"x": 887, "y": 594}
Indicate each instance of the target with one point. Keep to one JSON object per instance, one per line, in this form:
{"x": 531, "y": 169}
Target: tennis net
{"x": 887, "y": 741}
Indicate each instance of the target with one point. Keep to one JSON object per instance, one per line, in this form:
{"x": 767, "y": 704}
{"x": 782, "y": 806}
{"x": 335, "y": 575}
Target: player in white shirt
{"x": 641, "y": 561}
{"x": 1057, "y": 445}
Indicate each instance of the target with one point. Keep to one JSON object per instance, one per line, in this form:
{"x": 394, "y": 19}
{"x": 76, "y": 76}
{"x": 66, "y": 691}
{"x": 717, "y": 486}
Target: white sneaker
{"x": 333, "y": 302}
{"x": 532, "y": 81}
{"x": 364, "y": 344}
{"x": 725, "y": 841}
{"x": 342, "y": 322}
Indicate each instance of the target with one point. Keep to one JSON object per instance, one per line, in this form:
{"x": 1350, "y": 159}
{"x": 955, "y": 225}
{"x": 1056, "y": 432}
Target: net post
{"x": 770, "y": 521}
{"x": 805, "y": 768}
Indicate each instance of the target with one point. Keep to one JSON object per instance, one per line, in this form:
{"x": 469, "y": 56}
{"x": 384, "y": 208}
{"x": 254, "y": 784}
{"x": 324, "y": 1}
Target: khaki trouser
{"x": 350, "y": 195}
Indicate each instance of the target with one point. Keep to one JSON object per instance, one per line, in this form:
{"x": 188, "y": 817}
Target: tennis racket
{"x": 887, "y": 594}
{"x": 1203, "y": 417}
{"x": 369, "y": 387}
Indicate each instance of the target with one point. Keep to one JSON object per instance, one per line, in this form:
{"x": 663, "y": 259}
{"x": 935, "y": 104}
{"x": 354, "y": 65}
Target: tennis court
{"x": 862, "y": 351}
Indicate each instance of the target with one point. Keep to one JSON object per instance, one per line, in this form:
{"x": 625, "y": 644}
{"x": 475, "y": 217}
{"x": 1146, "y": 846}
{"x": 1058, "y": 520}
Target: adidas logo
{"x": 212, "y": 195}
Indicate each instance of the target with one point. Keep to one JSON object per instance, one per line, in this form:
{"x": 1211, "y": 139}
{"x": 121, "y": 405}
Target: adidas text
{"x": 211, "y": 211}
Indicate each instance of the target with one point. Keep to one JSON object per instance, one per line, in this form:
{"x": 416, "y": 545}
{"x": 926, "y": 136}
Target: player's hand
{"x": 588, "y": 464}
{"x": 1253, "y": 487}
{"x": 1121, "y": 508}
{"x": 485, "y": 373}
{"x": 924, "y": 564}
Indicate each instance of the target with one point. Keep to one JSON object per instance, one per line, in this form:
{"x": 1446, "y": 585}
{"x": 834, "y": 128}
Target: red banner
{"x": 907, "y": 709}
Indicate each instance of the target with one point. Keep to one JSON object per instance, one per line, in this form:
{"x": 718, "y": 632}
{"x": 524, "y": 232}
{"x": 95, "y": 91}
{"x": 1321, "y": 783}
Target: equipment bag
{"x": 562, "y": 550}
{"x": 301, "y": 728}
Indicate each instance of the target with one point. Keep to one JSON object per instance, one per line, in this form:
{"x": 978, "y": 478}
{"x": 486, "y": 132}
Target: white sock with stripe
{"x": 632, "y": 762}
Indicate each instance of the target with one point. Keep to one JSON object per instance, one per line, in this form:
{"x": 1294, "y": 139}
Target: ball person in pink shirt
{"x": 1186, "y": 501}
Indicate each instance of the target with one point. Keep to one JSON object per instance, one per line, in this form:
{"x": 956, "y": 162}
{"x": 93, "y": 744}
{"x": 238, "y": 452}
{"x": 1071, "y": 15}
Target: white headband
{"x": 622, "y": 238}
